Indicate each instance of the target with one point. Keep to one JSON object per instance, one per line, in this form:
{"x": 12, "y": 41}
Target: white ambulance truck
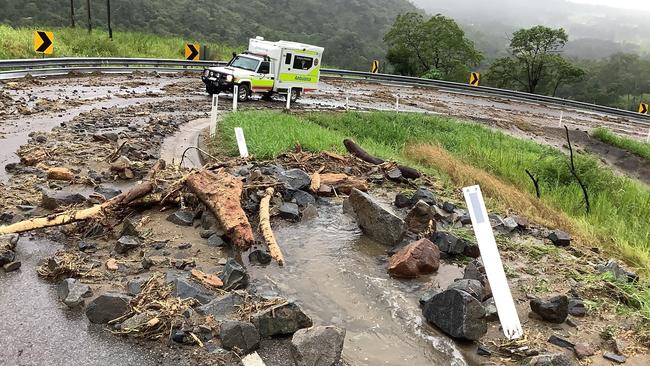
{"x": 268, "y": 68}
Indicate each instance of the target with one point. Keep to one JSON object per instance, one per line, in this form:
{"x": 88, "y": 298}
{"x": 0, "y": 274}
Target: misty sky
{"x": 627, "y": 4}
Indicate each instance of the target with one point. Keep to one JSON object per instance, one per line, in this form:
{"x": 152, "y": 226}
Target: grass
{"x": 639, "y": 148}
{"x": 77, "y": 42}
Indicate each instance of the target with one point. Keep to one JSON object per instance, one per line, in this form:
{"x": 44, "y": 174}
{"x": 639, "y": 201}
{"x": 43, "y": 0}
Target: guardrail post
{"x": 288, "y": 98}
{"x": 213, "y": 115}
{"x": 235, "y": 97}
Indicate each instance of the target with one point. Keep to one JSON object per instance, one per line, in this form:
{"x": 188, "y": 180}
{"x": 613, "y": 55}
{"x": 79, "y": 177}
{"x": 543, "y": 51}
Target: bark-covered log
{"x": 357, "y": 151}
{"x": 265, "y": 225}
{"x": 221, "y": 193}
{"x": 343, "y": 182}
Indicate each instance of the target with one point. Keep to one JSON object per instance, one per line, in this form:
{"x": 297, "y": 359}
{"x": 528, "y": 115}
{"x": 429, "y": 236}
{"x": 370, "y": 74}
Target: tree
{"x": 417, "y": 46}
{"x": 531, "y": 52}
{"x": 562, "y": 71}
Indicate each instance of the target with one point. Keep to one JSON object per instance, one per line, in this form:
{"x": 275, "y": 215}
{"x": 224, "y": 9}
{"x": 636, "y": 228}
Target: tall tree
{"x": 418, "y": 46}
{"x": 560, "y": 71}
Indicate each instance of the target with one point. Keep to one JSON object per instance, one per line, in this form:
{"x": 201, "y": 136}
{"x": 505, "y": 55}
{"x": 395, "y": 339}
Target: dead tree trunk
{"x": 221, "y": 193}
{"x": 357, "y": 151}
{"x": 572, "y": 167}
{"x": 265, "y": 225}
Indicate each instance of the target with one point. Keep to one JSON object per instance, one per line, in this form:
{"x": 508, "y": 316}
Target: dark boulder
{"x": 374, "y": 220}
{"x": 181, "y": 217}
{"x": 222, "y": 307}
{"x": 72, "y": 292}
{"x": 420, "y": 218}
{"x": 554, "y": 309}
{"x": 294, "y": 179}
{"x": 234, "y": 276}
{"x": 107, "y": 307}
{"x": 281, "y": 319}
{"x": 290, "y": 211}
{"x": 317, "y": 346}
{"x": 560, "y": 238}
{"x": 472, "y": 287}
{"x": 423, "y": 194}
{"x": 456, "y": 313}
{"x": 126, "y": 244}
{"x": 449, "y": 243}
{"x": 238, "y": 335}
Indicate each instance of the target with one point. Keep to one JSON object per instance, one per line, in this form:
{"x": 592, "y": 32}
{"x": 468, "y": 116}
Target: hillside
{"x": 350, "y": 30}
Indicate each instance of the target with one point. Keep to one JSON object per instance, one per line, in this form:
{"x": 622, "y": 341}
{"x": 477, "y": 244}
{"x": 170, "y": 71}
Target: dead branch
{"x": 357, "y": 151}
{"x": 221, "y": 193}
{"x": 343, "y": 182}
{"x": 572, "y": 167}
{"x": 265, "y": 225}
{"x": 535, "y": 182}
{"x": 123, "y": 199}
{"x": 314, "y": 186}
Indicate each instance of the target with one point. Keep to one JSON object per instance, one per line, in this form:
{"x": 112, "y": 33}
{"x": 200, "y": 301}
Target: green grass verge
{"x": 620, "y": 206}
{"x": 68, "y": 42}
{"x": 639, "y": 148}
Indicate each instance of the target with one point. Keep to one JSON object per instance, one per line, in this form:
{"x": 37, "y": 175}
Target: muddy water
{"x": 340, "y": 278}
{"x": 37, "y": 329}
{"x": 175, "y": 146}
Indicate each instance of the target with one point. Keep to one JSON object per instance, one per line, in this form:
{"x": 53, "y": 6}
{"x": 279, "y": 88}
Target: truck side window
{"x": 264, "y": 68}
{"x": 287, "y": 60}
{"x": 302, "y": 63}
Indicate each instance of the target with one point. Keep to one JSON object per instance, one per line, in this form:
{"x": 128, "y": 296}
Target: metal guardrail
{"x": 14, "y": 69}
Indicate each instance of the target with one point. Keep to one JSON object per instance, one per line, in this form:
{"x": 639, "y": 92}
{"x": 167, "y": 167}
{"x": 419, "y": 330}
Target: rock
{"x": 302, "y": 198}
{"x": 137, "y": 320}
{"x": 127, "y": 243}
{"x": 294, "y": 179}
{"x": 472, "y": 287}
{"x": 561, "y": 342}
{"x": 53, "y": 200}
{"x": 584, "y": 350}
{"x": 134, "y": 286}
{"x": 619, "y": 273}
{"x": 375, "y": 221}
{"x": 12, "y": 266}
{"x": 72, "y": 292}
{"x": 179, "y": 337}
{"x": 554, "y": 309}
{"x": 181, "y": 217}
{"x": 449, "y": 207}
{"x": 281, "y": 319}
{"x": 619, "y": 346}
{"x": 216, "y": 241}
{"x": 208, "y": 221}
{"x": 402, "y": 201}
{"x": 86, "y": 246}
{"x": 317, "y": 346}
{"x": 510, "y": 224}
{"x": 577, "y": 308}
{"x": 427, "y": 296}
{"x": 419, "y": 257}
{"x": 465, "y": 220}
{"x": 614, "y": 357}
{"x": 395, "y": 174}
{"x": 6, "y": 256}
{"x": 185, "y": 289}
{"x": 483, "y": 351}
{"x": 184, "y": 246}
{"x": 234, "y": 276}
{"x": 9, "y": 241}
{"x": 205, "y": 234}
{"x": 491, "y": 313}
{"x": 549, "y": 359}
{"x": 521, "y": 221}
{"x": 222, "y": 307}
{"x": 423, "y": 194}
{"x": 242, "y": 336}
{"x": 259, "y": 256}
{"x": 289, "y": 211}
{"x": 130, "y": 228}
{"x": 310, "y": 212}
{"x": 456, "y": 313}
{"x": 107, "y": 307}
{"x": 448, "y": 243}
{"x": 58, "y": 173}
{"x": 560, "y": 238}
{"x": 420, "y": 218}
{"x": 476, "y": 271}
{"x": 471, "y": 250}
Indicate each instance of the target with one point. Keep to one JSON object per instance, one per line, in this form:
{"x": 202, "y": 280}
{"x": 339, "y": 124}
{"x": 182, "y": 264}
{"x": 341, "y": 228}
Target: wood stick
{"x": 314, "y": 186}
{"x": 360, "y": 153}
{"x": 265, "y": 225}
{"x": 122, "y": 199}
{"x": 221, "y": 193}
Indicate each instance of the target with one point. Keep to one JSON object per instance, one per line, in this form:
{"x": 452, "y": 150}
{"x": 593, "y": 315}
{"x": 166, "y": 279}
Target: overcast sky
{"x": 628, "y": 4}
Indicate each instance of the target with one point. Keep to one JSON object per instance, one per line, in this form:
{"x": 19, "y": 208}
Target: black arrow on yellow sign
{"x": 643, "y": 108}
{"x": 375, "y": 67}
{"x": 43, "y": 42}
{"x": 474, "y": 78}
{"x": 192, "y": 51}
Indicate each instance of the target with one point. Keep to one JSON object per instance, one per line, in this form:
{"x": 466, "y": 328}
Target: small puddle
{"x": 338, "y": 276}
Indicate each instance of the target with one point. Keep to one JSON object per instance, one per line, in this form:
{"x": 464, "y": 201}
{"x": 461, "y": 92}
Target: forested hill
{"x": 350, "y": 30}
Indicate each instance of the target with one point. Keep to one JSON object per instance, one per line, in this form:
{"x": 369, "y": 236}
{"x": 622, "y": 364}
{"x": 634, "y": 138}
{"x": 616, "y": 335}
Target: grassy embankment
{"x": 466, "y": 153}
{"x": 69, "y": 42}
{"x": 639, "y": 148}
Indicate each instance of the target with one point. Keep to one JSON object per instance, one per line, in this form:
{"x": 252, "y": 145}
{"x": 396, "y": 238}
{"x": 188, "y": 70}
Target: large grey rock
{"x": 472, "y": 287}
{"x": 107, "y": 307}
{"x": 185, "y": 289}
{"x": 560, "y": 238}
{"x": 222, "y": 307}
{"x": 239, "y": 335}
{"x": 618, "y": 272}
{"x": 215, "y": 240}
{"x": 554, "y": 309}
{"x": 456, "y": 313}
{"x": 181, "y": 217}
{"x": 375, "y": 221}
{"x": 134, "y": 286}
{"x": 476, "y": 271}
{"x": 281, "y": 319}
{"x": 491, "y": 313}
{"x": 317, "y": 346}
{"x": 126, "y": 244}
{"x": 549, "y": 359}
{"x": 449, "y": 243}
{"x": 53, "y": 200}
{"x": 302, "y": 198}
{"x": 420, "y": 218}
{"x": 423, "y": 194}
{"x": 290, "y": 211}
{"x": 72, "y": 292}
{"x": 234, "y": 276}
{"x": 294, "y": 179}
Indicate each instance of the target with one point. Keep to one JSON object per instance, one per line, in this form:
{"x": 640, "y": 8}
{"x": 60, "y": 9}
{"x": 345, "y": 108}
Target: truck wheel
{"x": 295, "y": 94}
{"x": 244, "y": 93}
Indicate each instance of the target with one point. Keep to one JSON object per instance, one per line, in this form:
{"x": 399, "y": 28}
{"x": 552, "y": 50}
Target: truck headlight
{"x": 229, "y": 78}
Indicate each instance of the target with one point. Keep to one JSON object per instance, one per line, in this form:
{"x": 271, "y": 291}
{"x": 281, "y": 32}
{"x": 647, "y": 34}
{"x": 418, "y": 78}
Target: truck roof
{"x": 257, "y": 44}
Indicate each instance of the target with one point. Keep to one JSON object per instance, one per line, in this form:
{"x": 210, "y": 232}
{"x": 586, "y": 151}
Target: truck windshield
{"x": 245, "y": 63}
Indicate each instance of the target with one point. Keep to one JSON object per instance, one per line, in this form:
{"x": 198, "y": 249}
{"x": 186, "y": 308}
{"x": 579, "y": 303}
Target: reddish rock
{"x": 584, "y": 350}
{"x": 417, "y": 258}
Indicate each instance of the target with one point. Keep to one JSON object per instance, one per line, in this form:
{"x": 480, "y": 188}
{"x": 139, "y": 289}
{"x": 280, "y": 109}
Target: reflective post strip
{"x": 235, "y": 97}
{"x": 561, "y": 117}
{"x": 492, "y": 262}
{"x": 347, "y": 102}
{"x": 241, "y": 142}
{"x": 213, "y": 115}
{"x": 289, "y": 98}
{"x": 397, "y": 103}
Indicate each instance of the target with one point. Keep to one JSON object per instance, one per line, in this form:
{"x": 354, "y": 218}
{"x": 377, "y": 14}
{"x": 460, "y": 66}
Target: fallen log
{"x": 209, "y": 280}
{"x": 314, "y": 186}
{"x": 221, "y": 193}
{"x": 265, "y": 225}
{"x": 140, "y": 190}
{"x": 343, "y": 183}
{"x": 357, "y": 151}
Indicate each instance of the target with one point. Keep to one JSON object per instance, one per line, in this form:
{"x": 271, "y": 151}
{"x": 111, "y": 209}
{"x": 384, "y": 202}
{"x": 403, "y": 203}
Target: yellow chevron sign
{"x": 192, "y": 51}
{"x": 643, "y": 108}
{"x": 375, "y": 67}
{"x": 44, "y": 42}
{"x": 474, "y": 78}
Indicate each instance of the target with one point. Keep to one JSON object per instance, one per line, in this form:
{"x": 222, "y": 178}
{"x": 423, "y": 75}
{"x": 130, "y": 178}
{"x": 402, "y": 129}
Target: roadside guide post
{"x": 213, "y": 115}
{"x": 235, "y": 96}
{"x": 561, "y": 117}
{"x": 241, "y": 142}
{"x": 289, "y": 98}
{"x": 397, "y": 103}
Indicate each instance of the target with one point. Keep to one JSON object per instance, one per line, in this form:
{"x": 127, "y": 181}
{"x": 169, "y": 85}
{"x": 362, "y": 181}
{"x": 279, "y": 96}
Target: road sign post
{"x": 643, "y": 108}
{"x": 474, "y": 78}
{"x": 44, "y": 42}
{"x": 375, "y": 67}
{"x": 192, "y": 51}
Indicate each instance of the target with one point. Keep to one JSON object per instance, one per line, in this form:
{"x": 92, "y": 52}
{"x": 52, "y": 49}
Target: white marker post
{"x": 347, "y": 102}
{"x": 561, "y": 117}
{"x": 235, "y": 97}
{"x": 397, "y": 103}
{"x": 241, "y": 142}
{"x": 492, "y": 262}
{"x": 213, "y": 115}
{"x": 289, "y": 98}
